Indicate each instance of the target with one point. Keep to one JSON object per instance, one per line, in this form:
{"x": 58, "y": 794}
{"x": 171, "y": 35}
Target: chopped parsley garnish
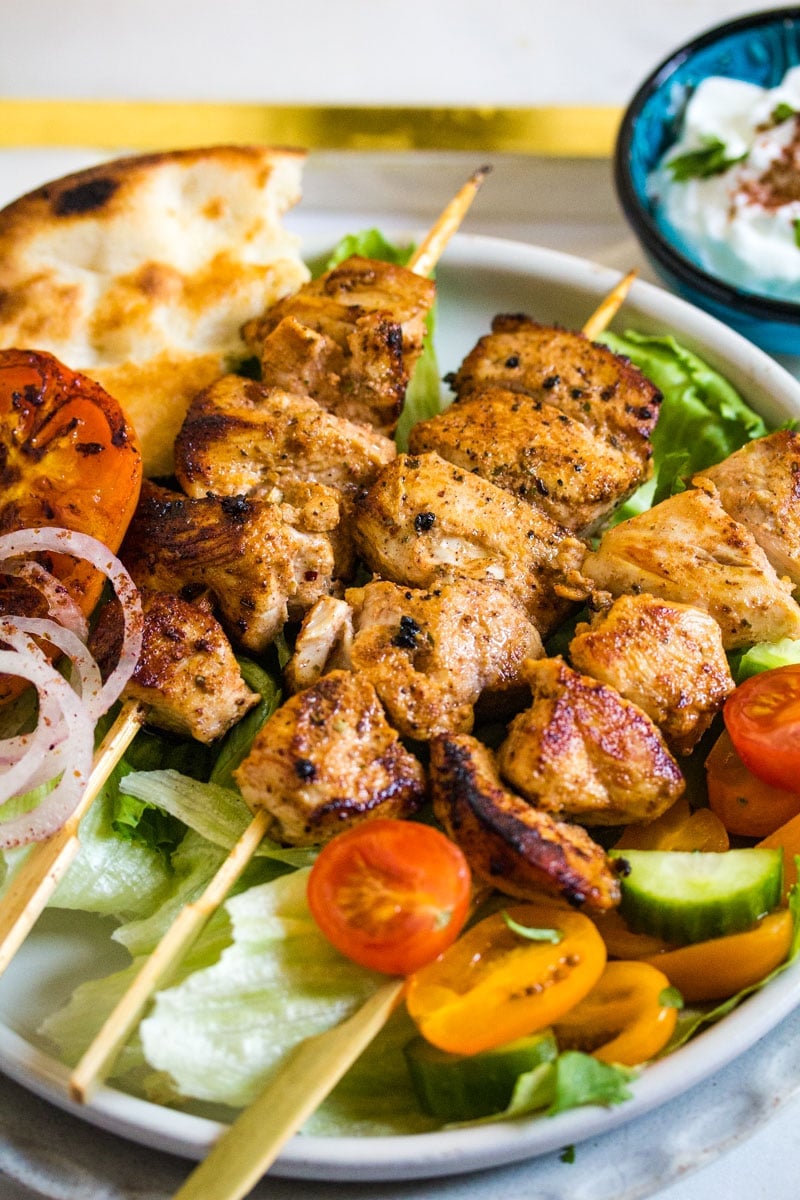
{"x": 782, "y": 112}
{"x": 711, "y": 159}
{"x": 796, "y": 225}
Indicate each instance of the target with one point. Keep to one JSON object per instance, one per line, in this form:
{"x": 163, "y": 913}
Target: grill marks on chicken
{"x": 688, "y": 549}
{"x": 583, "y": 752}
{"x": 509, "y": 844}
{"x": 424, "y": 522}
{"x": 327, "y": 759}
{"x": 187, "y": 676}
{"x": 534, "y": 450}
{"x": 566, "y": 423}
{"x": 263, "y": 563}
{"x": 759, "y": 486}
{"x": 665, "y": 657}
{"x": 430, "y": 655}
{"x": 349, "y": 339}
{"x": 240, "y": 437}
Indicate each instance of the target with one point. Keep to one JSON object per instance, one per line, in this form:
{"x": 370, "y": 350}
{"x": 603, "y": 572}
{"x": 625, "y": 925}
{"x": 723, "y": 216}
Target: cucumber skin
{"x": 710, "y": 912}
{"x": 464, "y": 1087}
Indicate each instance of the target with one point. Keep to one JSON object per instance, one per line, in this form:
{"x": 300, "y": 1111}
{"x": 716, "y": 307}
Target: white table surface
{"x": 498, "y": 52}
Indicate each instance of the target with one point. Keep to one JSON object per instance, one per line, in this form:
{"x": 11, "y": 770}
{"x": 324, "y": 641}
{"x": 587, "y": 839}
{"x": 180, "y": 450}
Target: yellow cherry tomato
{"x": 677, "y": 829}
{"x": 624, "y": 1019}
{"x": 495, "y": 984}
{"x": 721, "y": 967}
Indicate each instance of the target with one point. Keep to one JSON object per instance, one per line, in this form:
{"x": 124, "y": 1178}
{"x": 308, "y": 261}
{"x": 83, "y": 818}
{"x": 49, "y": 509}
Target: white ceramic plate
{"x": 478, "y": 278}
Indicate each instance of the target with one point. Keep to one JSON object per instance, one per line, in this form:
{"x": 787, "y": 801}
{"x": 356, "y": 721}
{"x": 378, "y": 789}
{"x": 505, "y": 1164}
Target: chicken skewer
{"x": 100, "y": 1055}
{"x": 239, "y": 1159}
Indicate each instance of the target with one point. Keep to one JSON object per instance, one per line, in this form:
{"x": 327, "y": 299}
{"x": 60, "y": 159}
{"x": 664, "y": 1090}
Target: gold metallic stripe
{"x": 575, "y": 132}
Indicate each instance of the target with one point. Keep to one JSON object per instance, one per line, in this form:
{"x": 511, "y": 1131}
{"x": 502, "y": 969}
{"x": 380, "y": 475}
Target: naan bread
{"x": 141, "y": 273}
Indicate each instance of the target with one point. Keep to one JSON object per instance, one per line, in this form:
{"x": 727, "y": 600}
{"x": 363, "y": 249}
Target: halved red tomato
{"x": 389, "y": 894}
{"x": 68, "y": 457}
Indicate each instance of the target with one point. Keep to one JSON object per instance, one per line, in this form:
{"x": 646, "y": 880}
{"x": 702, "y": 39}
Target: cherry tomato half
{"x": 495, "y": 984}
{"x": 68, "y": 457}
{"x": 763, "y": 718}
{"x": 745, "y": 804}
{"x": 721, "y": 967}
{"x": 623, "y": 1019}
{"x": 390, "y": 894}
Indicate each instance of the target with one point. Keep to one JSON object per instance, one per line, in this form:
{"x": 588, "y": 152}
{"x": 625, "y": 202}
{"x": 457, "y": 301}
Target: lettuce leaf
{"x": 764, "y": 657}
{"x": 237, "y": 742}
{"x": 703, "y": 418}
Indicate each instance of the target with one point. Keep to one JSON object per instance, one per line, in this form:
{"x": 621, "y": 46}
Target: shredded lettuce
{"x": 703, "y": 418}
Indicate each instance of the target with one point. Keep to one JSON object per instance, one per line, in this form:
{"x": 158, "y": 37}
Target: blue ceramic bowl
{"x": 759, "y": 49}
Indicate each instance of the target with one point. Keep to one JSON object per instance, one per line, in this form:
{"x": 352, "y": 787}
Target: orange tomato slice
{"x": 623, "y": 1019}
{"x": 721, "y": 967}
{"x": 745, "y": 804}
{"x": 68, "y": 457}
{"x": 495, "y": 985}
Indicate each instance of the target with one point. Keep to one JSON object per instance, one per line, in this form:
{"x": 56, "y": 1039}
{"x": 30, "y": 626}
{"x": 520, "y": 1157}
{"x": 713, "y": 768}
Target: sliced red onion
{"x": 59, "y": 602}
{"x": 70, "y": 760}
{"x": 61, "y": 746}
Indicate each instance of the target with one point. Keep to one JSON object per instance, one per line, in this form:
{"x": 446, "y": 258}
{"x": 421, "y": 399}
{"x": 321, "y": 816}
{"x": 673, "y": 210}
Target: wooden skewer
{"x": 252, "y": 1143}
{"x": 99, "y": 1057}
{"x": 48, "y": 862}
{"x": 608, "y": 308}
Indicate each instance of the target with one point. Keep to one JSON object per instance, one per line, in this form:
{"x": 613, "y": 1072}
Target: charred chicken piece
{"x": 425, "y": 521}
{"x": 187, "y": 675}
{"x": 328, "y": 759}
{"x": 349, "y": 339}
{"x": 431, "y": 656}
{"x": 508, "y": 843}
{"x": 688, "y": 549}
{"x": 263, "y": 562}
{"x": 759, "y": 486}
{"x": 240, "y": 438}
{"x": 562, "y": 368}
{"x": 583, "y": 752}
{"x": 574, "y": 473}
{"x": 665, "y": 657}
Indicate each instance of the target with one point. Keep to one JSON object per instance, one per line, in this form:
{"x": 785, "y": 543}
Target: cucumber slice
{"x": 691, "y": 896}
{"x": 462, "y": 1087}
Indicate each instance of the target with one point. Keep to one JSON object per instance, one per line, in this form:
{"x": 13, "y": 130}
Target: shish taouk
{"x": 100, "y": 1055}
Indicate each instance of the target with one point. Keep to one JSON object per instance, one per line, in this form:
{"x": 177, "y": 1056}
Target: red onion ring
{"x": 61, "y": 746}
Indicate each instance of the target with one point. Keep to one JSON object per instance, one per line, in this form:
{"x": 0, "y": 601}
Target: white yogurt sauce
{"x": 742, "y": 224}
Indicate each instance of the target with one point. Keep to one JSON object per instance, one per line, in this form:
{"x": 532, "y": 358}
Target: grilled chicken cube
{"x": 431, "y": 656}
{"x": 263, "y": 562}
{"x": 568, "y": 470}
{"x": 508, "y": 843}
{"x": 349, "y": 339}
{"x": 665, "y": 657}
{"x": 240, "y": 437}
{"x": 322, "y": 644}
{"x": 328, "y": 759}
{"x": 583, "y": 752}
{"x": 563, "y": 368}
{"x": 688, "y": 549}
{"x": 759, "y": 486}
{"x": 424, "y": 522}
{"x": 187, "y": 675}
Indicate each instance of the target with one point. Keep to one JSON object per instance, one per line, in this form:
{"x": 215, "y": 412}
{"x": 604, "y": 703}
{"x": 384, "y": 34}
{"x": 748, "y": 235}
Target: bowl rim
{"x": 751, "y": 304}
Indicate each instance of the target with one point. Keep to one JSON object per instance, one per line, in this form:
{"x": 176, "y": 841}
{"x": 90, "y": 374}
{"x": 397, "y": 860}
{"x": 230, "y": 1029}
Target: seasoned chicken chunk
{"x": 425, "y": 521}
{"x": 562, "y": 368}
{"x": 322, "y": 644}
{"x": 570, "y": 471}
{"x": 263, "y": 562}
{"x": 667, "y": 658}
{"x": 688, "y": 549}
{"x": 187, "y": 675}
{"x": 327, "y": 759}
{"x": 240, "y": 437}
{"x": 349, "y": 339}
{"x": 431, "y": 656}
{"x": 581, "y": 751}
{"x": 759, "y": 486}
{"x": 508, "y": 843}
